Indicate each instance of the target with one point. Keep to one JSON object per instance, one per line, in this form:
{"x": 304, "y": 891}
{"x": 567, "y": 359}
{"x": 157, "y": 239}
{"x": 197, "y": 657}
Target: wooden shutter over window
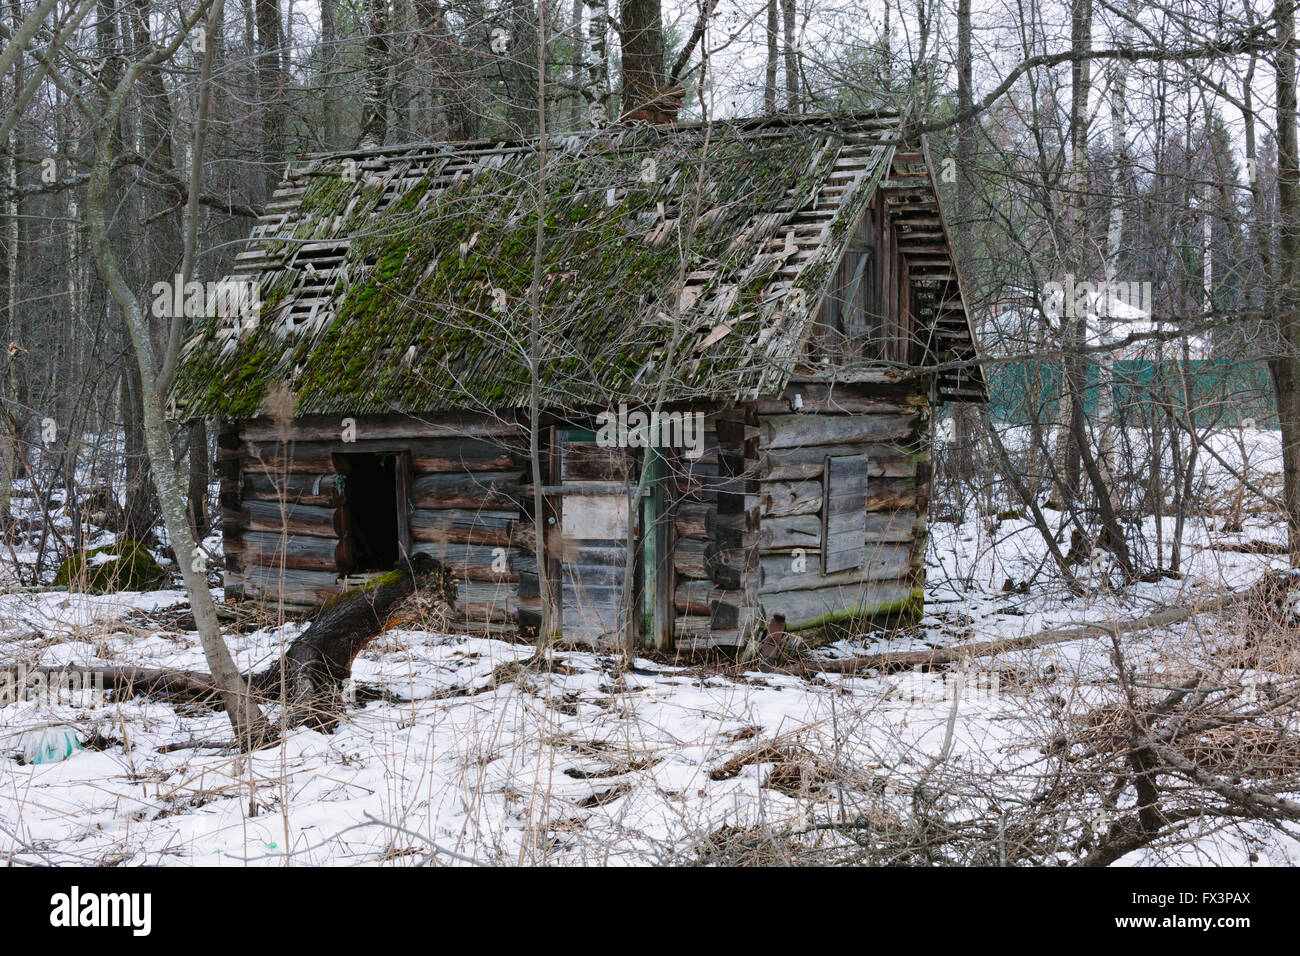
{"x": 844, "y": 513}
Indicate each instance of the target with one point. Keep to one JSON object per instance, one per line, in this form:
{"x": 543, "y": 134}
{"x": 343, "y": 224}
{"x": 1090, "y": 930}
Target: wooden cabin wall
{"x": 287, "y": 531}
{"x": 693, "y": 501}
{"x": 715, "y": 551}
{"x": 889, "y": 424}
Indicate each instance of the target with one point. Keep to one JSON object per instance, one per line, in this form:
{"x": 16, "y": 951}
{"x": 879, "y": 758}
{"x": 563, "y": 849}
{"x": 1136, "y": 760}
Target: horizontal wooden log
{"x": 428, "y": 455}
{"x": 692, "y": 519}
{"x": 733, "y": 567}
{"x": 384, "y": 427}
{"x": 800, "y": 573}
{"x": 691, "y": 625}
{"x": 474, "y": 562}
{"x": 320, "y": 490}
{"x": 816, "y": 398}
{"x": 299, "y": 551}
{"x": 806, "y": 462}
{"x": 485, "y": 602}
{"x": 815, "y": 607}
{"x": 294, "y": 519}
{"x": 690, "y": 558}
{"x": 464, "y": 455}
{"x": 487, "y": 489}
{"x": 692, "y": 597}
{"x": 804, "y": 531}
{"x": 795, "y": 431}
{"x": 292, "y": 586}
{"x": 789, "y": 498}
{"x": 731, "y": 610}
{"x": 464, "y": 527}
{"x": 267, "y": 459}
{"x": 780, "y": 499}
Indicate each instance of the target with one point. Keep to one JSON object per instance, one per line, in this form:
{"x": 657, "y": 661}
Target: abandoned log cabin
{"x": 730, "y": 339}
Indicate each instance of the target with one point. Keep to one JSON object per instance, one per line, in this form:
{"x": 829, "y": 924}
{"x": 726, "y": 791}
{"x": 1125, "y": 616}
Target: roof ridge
{"x": 839, "y": 120}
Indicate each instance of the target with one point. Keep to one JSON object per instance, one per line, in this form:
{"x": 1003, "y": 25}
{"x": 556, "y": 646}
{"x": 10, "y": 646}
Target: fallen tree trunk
{"x": 308, "y": 679}
{"x": 129, "y": 680}
{"x": 900, "y": 660}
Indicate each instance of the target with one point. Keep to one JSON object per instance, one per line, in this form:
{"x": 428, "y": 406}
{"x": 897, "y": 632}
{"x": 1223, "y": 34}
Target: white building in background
{"x": 1113, "y": 313}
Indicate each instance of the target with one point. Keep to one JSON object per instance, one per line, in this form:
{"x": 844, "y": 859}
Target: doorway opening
{"x": 373, "y": 485}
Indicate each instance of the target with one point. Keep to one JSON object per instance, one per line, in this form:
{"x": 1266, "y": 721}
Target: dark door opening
{"x": 372, "y": 499}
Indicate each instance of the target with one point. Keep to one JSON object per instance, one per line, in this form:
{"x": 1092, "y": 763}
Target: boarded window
{"x": 592, "y": 506}
{"x": 844, "y": 513}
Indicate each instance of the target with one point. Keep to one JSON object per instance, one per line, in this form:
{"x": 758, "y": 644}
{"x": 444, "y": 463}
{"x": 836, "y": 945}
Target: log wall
{"x": 888, "y": 424}
{"x": 747, "y": 516}
{"x": 287, "y": 524}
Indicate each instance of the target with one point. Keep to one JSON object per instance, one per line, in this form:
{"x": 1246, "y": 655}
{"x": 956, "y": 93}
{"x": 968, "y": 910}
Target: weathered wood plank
{"x": 299, "y": 551}
{"x": 793, "y": 431}
{"x": 475, "y": 562}
{"x": 692, "y": 597}
{"x": 293, "y": 586}
{"x": 690, "y": 558}
{"x": 384, "y": 427}
{"x": 428, "y": 455}
{"x": 463, "y": 527}
{"x": 816, "y": 398}
{"x": 795, "y": 464}
{"x": 876, "y": 563}
{"x": 788, "y": 498}
{"x": 808, "y": 608}
{"x": 320, "y": 490}
{"x": 295, "y": 519}
{"x": 484, "y": 489}
{"x": 691, "y": 520}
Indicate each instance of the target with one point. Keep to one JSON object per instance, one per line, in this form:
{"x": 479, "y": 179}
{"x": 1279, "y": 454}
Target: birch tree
{"x": 155, "y": 366}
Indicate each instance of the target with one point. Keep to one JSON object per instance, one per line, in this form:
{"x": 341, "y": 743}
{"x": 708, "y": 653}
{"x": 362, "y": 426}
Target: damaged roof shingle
{"x": 402, "y": 279}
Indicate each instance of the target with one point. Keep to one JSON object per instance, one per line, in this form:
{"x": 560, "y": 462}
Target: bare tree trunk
{"x": 642, "y": 44}
{"x": 329, "y": 39}
{"x": 271, "y": 84}
{"x": 521, "y": 69}
{"x": 199, "y": 469}
{"x": 575, "y": 68}
{"x": 595, "y": 87}
{"x": 139, "y": 513}
{"x": 1285, "y": 367}
{"x": 1073, "y": 326}
{"x": 769, "y": 75}
{"x": 791, "y": 56}
{"x": 248, "y": 723}
{"x": 9, "y": 427}
{"x": 1114, "y": 239}
{"x": 549, "y": 628}
{"x": 374, "y": 120}
{"x": 960, "y": 454}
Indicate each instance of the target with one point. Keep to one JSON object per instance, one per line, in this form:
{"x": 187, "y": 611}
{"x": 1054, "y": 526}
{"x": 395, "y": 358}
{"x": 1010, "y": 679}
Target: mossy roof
{"x": 692, "y": 258}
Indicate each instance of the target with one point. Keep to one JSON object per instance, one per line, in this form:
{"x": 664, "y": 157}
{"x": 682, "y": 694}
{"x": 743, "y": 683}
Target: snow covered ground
{"x": 437, "y": 760}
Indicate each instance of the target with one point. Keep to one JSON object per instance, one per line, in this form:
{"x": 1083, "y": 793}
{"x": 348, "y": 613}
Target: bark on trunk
{"x": 199, "y": 469}
{"x": 643, "y": 53}
{"x": 1286, "y": 367}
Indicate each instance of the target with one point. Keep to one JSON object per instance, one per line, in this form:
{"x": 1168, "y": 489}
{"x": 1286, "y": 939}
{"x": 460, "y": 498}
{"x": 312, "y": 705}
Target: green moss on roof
{"x": 430, "y": 304}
